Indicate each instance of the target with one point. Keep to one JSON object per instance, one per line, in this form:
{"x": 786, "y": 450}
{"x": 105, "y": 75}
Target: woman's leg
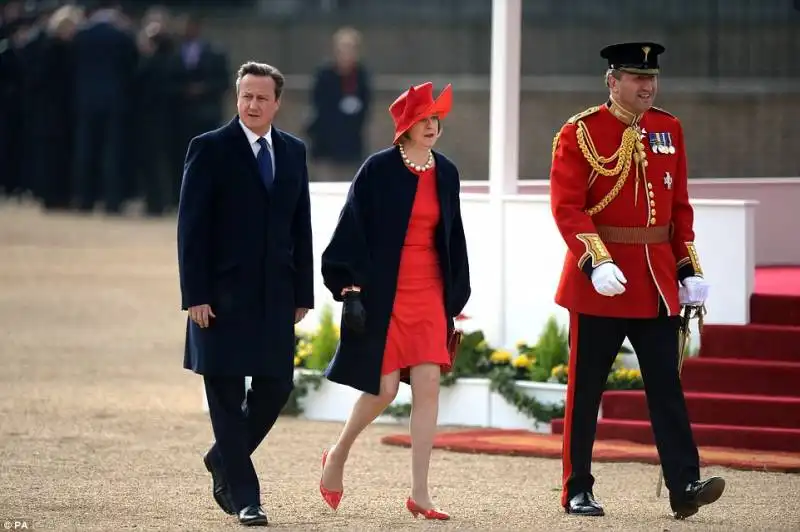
{"x": 367, "y": 408}
{"x": 424, "y": 413}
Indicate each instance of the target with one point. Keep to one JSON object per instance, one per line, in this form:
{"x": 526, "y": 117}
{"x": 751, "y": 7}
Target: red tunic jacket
{"x": 587, "y": 203}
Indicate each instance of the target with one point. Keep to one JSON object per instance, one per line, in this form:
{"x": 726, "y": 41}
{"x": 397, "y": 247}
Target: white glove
{"x": 608, "y": 280}
{"x": 694, "y": 291}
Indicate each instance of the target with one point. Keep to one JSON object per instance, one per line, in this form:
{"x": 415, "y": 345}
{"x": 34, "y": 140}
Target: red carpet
{"x": 775, "y": 309}
{"x": 778, "y": 280}
{"x": 722, "y": 341}
{"x": 743, "y": 390}
{"x": 524, "y": 443}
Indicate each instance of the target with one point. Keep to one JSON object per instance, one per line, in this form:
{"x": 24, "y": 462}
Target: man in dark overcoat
{"x": 198, "y": 80}
{"x": 365, "y": 251}
{"x": 104, "y": 58}
{"x": 246, "y": 276}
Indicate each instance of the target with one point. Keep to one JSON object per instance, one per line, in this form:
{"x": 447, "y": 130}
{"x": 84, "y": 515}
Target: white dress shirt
{"x": 256, "y": 147}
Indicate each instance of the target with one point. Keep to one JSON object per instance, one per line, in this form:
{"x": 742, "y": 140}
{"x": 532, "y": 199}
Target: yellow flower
{"x": 297, "y": 361}
{"x": 627, "y": 374}
{"x": 500, "y": 357}
{"x": 303, "y": 349}
{"x": 522, "y": 361}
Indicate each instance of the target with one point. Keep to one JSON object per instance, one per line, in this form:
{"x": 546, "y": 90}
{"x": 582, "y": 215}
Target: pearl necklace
{"x": 427, "y": 166}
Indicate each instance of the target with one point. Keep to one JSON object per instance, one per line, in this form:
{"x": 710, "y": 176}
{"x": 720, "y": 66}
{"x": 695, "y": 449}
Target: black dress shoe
{"x": 219, "y": 488}
{"x": 252, "y": 515}
{"x": 584, "y": 504}
{"x": 696, "y": 494}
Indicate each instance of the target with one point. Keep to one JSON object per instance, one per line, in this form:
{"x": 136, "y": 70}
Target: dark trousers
{"x": 155, "y": 171}
{"x": 51, "y": 168}
{"x": 594, "y": 344}
{"x": 99, "y": 158}
{"x": 240, "y": 423}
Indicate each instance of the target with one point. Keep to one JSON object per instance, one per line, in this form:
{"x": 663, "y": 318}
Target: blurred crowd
{"x": 97, "y": 108}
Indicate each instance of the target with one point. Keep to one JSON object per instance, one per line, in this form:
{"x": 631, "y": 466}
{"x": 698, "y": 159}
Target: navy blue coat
{"x": 105, "y": 59}
{"x": 246, "y": 251}
{"x": 365, "y": 250}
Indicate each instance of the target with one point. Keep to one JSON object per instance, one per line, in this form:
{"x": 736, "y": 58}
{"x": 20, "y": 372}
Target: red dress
{"x": 418, "y": 328}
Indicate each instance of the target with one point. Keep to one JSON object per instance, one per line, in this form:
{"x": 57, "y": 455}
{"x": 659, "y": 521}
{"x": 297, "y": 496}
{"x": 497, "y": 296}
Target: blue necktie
{"x": 264, "y": 162}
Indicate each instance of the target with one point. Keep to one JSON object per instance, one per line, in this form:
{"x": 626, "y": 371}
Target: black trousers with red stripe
{"x": 594, "y": 344}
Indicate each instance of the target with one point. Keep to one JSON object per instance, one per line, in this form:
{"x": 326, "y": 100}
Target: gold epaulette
{"x": 660, "y": 110}
{"x": 574, "y": 118}
{"x": 590, "y": 111}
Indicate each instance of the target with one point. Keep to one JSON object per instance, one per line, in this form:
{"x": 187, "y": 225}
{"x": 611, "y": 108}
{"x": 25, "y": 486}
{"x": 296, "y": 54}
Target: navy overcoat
{"x": 246, "y": 250}
{"x": 365, "y": 250}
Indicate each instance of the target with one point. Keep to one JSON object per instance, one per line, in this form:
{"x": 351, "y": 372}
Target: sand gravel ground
{"x": 102, "y": 429}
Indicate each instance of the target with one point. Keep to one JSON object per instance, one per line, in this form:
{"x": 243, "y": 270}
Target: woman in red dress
{"x": 398, "y": 261}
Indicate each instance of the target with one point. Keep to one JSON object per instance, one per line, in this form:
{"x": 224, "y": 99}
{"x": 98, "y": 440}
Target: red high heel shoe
{"x": 431, "y": 513}
{"x": 332, "y": 498}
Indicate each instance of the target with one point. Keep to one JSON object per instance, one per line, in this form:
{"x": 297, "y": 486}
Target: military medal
{"x": 670, "y": 145}
{"x": 662, "y": 145}
{"x": 658, "y": 147}
{"x": 668, "y": 181}
{"x": 653, "y": 137}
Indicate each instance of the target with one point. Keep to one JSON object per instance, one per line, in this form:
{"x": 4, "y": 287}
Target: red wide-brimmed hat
{"x": 416, "y": 104}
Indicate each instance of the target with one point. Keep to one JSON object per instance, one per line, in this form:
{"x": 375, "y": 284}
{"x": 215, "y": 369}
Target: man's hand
{"x": 299, "y": 314}
{"x": 200, "y": 315}
{"x": 694, "y": 291}
{"x": 608, "y": 280}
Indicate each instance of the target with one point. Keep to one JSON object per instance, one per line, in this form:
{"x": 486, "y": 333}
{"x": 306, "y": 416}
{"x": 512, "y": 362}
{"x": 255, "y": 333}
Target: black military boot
{"x": 696, "y": 494}
{"x": 584, "y": 504}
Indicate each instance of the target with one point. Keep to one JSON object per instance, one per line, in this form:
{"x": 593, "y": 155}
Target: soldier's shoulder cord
{"x": 622, "y": 159}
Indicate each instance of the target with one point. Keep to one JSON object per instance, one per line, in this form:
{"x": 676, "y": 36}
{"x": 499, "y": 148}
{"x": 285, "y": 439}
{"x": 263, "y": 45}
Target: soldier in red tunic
{"x": 620, "y": 200}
